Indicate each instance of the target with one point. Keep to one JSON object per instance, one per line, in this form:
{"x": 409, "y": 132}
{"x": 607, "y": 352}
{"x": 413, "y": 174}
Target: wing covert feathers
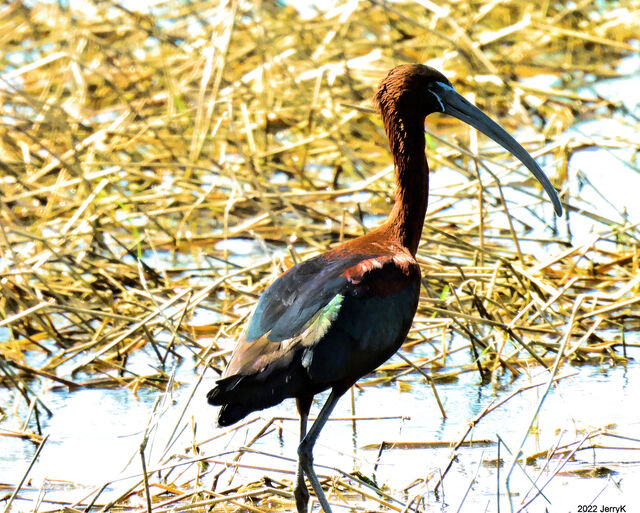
{"x": 290, "y": 302}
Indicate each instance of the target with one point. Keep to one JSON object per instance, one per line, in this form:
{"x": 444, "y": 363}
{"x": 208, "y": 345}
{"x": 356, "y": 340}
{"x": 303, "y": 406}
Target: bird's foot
{"x": 301, "y": 495}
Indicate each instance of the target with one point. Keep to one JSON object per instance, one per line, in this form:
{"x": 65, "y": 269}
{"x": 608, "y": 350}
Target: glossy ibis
{"x": 330, "y": 320}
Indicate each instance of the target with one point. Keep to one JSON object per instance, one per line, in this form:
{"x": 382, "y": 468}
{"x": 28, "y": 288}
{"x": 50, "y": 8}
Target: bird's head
{"x": 407, "y": 89}
{"x": 411, "y": 92}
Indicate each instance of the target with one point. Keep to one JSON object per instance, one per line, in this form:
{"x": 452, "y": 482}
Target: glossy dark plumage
{"x": 328, "y": 321}
{"x": 277, "y": 359}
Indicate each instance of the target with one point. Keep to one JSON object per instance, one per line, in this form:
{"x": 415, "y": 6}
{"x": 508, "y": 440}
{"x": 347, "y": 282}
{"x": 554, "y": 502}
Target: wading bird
{"x": 331, "y": 319}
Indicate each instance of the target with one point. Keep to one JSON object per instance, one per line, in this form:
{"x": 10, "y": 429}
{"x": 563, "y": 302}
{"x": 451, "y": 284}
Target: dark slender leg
{"x": 305, "y": 449}
{"x": 300, "y": 492}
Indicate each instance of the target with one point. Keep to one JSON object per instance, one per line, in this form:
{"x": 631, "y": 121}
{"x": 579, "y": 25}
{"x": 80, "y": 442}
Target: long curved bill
{"x": 455, "y": 105}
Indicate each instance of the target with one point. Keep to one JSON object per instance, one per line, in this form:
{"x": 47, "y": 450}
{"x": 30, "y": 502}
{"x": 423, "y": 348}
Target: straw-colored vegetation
{"x": 140, "y": 151}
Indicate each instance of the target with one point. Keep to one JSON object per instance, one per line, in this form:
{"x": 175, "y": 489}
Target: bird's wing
{"x": 297, "y": 297}
{"x": 298, "y": 307}
{"x": 291, "y": 302}
{"x": 293, "y": 343}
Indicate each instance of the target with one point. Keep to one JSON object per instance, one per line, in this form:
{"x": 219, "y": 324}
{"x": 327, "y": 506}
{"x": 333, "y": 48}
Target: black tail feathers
{"x": 223, "y": 395}
{"x": 223, "y": 391}
{"x": 240, "y": 395}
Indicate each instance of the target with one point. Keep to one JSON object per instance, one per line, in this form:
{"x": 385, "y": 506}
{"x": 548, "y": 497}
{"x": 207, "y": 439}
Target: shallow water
{"x": 94, "y": 434}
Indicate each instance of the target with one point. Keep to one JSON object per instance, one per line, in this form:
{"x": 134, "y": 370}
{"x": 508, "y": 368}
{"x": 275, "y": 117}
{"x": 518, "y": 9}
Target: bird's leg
{"x": 305, "y": 449}
{"x": 300, "y": 492}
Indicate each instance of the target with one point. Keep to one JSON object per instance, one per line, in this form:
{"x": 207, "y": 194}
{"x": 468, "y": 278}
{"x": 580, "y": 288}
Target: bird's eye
{"x": 438, "y": 100}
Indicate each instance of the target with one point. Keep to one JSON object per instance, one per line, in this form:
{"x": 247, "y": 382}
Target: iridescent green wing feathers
{"x": 292, "y": 301}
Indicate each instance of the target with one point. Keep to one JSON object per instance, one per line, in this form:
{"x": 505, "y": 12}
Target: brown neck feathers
{"x": 405, "y": 131}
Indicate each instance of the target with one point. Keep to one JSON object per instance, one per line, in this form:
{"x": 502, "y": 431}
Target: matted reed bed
{"x": 143, "y": 150}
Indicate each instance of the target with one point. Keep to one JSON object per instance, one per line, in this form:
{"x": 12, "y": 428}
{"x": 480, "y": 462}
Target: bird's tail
{"x": 240, "y": 395}
{"x": 223, "y": 395}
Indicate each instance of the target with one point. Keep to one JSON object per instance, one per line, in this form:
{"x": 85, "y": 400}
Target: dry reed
{"x": 135, "y": 145}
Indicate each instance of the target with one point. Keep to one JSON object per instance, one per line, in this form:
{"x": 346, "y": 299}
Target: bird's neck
{"x": 406, "y": 140}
